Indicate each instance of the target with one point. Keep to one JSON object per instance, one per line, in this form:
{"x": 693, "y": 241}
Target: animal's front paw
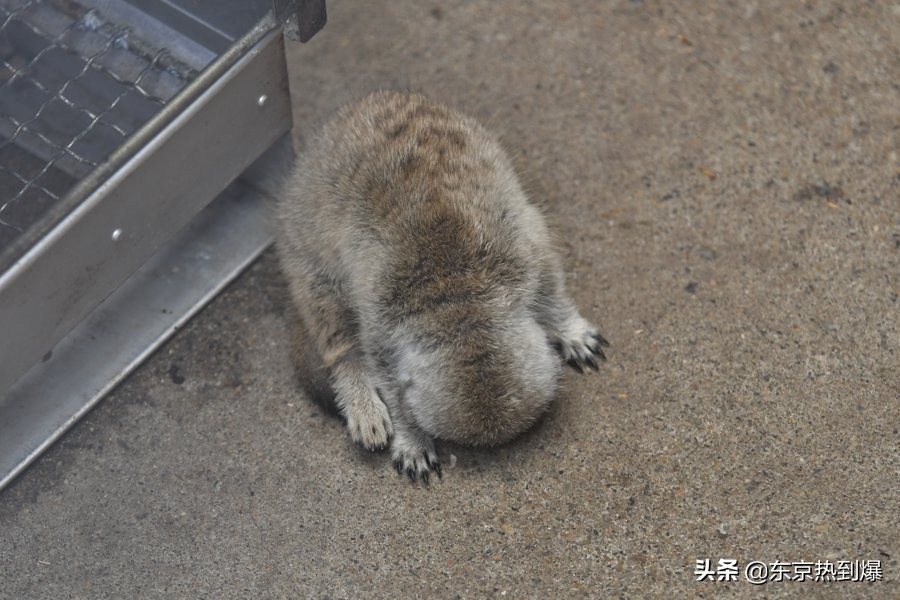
{"x": 369, "y": 421}
{"x": 580, "y": 344}
{"x": 415, "y": 456}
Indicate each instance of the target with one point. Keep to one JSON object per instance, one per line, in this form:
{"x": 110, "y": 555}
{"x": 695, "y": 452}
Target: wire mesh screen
{"x": 73, "y": 87}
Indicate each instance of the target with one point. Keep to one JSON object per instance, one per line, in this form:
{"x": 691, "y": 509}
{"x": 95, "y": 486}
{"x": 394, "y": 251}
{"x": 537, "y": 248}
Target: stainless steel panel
{"x": 130, "y": 324}
{"x": 213, "y": 24}
{"x": 124, "y": 220}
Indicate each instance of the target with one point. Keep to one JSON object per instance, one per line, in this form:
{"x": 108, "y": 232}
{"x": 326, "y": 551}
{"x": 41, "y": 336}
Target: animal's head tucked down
{"x": 481, "y": 384}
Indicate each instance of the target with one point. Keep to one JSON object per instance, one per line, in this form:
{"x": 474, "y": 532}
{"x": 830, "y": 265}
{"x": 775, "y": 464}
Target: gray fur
{"x": 426, "y": 280}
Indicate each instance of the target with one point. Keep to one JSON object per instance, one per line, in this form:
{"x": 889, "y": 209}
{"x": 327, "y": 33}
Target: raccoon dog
{"x": 426, "y": 280}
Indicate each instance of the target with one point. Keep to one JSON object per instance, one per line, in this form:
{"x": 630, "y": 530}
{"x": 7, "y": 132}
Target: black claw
{"x": 598, "y": 352}
{"x": 411, "y": 474}
{"x": 397, "y": 467}
{"x": 600, "y": 340}
{"x": 425, "y": 477}
{"x": 592, "y": 363}
{"x": 434, "y": 464}
{"x": 575, "y": 365}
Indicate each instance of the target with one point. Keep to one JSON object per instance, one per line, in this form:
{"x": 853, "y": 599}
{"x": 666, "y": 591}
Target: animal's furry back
{"x": 422, "y": 271}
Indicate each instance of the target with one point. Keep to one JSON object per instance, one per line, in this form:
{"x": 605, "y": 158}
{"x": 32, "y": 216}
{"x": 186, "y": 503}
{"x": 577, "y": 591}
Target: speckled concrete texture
{"x": 724, "y": 181}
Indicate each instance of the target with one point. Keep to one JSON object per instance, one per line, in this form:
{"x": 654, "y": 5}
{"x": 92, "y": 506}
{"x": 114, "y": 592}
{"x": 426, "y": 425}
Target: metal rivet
{"x": 116, "y": 235}
{"x": 261, "y": 101}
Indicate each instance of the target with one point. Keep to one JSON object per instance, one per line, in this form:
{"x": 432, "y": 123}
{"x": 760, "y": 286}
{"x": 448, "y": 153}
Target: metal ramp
{"x": 127, "y": 129}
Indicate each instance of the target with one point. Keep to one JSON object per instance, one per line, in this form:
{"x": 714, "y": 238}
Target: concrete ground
{"x": 726, "y": 189}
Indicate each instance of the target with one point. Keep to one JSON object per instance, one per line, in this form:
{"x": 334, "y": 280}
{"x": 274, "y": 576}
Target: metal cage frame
{"x": 130, "y": 250}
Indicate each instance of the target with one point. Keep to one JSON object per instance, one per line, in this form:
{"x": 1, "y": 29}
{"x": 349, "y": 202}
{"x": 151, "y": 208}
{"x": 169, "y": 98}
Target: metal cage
{"x": 120, "y": 122}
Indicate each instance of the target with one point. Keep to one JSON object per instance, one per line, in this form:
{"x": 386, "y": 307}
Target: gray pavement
{"x": 725, "y": 184}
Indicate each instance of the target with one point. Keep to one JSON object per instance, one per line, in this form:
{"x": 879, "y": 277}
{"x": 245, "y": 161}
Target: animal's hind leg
{"x": 332, "y": 328}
